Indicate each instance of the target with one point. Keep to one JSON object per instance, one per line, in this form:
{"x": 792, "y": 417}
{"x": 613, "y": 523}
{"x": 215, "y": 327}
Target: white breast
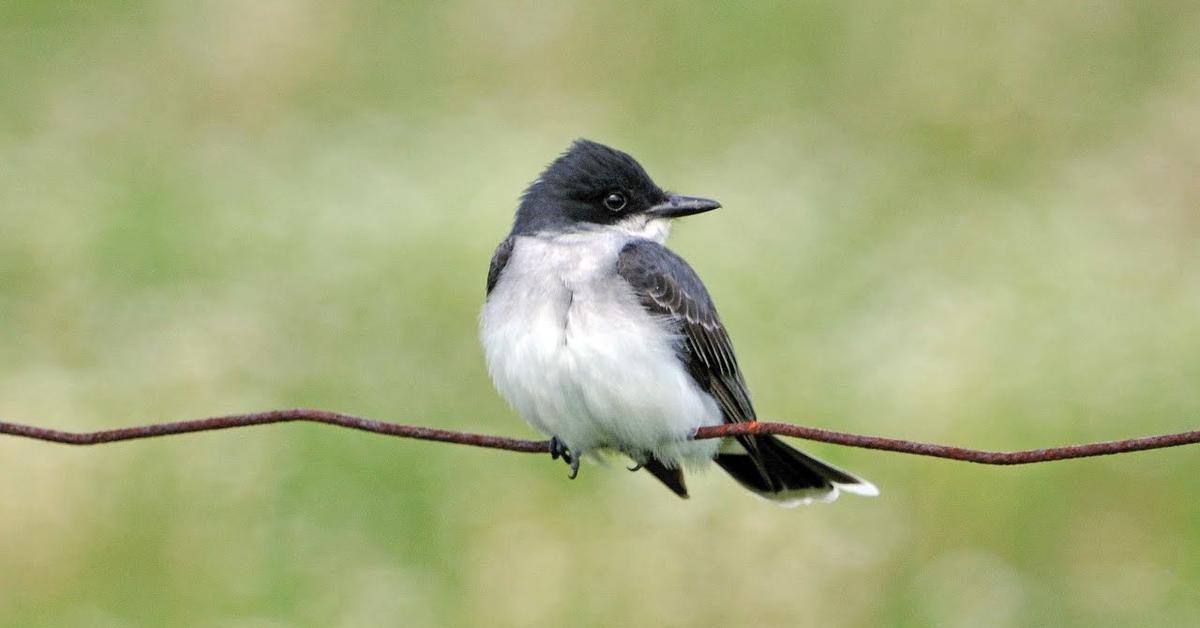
{"x": 572, "y": 350}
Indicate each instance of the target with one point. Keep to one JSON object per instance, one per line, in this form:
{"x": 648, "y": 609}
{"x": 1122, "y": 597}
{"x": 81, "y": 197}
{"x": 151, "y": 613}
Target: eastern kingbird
{"x": 603, "y": 339}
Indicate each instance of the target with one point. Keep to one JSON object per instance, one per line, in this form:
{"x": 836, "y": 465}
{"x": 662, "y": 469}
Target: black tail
{"x": 673, "y": 478}
{"x": 767, "y": 466}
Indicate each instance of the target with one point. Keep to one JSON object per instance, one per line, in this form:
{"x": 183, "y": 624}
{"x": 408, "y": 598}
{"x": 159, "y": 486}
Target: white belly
{"x": 572, "y": 350}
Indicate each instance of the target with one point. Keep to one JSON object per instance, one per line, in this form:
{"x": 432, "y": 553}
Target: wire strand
{"x": 1027, "y": 456}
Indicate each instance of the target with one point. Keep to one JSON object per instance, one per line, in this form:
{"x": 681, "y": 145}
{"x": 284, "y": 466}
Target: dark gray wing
{"x": 668, "y": 287}
{"x": 499, "y": 261}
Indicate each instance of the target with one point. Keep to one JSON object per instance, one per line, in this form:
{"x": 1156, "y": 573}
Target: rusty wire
{"x": 418, "y": 432}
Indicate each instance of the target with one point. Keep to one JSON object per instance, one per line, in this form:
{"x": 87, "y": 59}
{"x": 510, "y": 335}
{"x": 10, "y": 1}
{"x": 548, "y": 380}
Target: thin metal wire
{"x": 231, "y": 421}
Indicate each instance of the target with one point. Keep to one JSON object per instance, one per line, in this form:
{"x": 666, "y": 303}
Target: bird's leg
{"x": 559, "y": 449}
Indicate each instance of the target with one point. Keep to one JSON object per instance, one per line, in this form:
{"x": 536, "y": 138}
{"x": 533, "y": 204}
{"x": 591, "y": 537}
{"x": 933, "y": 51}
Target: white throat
{"x": 656, "y": 229}
{"x": 639, "y": 227}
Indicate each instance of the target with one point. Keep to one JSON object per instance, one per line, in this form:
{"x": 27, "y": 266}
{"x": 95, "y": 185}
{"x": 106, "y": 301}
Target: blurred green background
{"x": 986, "y": 216}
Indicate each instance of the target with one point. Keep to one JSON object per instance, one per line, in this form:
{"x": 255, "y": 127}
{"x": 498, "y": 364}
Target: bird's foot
{"x": 559, "y": 449}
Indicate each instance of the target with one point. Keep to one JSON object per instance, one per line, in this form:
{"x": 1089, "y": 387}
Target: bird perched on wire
{"x": 603, "y": 339}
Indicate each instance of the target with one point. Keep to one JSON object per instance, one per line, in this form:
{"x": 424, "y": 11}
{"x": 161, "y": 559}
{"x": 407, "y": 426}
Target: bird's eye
{"x": 615, "y": 201}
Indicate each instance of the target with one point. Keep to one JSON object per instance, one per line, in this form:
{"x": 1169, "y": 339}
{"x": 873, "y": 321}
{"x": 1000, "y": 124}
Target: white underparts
{"x": 571, "y": 348}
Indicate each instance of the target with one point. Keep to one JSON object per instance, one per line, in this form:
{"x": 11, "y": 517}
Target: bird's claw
{"x": 637, "y": 466}
{"x": 574, "y": 462}
{"x": 559, "y": 449}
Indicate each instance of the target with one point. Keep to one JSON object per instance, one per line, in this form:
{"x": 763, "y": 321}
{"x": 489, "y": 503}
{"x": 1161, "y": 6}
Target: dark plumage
{"x": 667, "y": 286}
{"x": 573, "y": 188}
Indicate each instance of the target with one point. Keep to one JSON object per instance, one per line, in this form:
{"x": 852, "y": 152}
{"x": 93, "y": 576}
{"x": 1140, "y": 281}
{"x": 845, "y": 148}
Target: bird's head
{"x": 592, "y": 186}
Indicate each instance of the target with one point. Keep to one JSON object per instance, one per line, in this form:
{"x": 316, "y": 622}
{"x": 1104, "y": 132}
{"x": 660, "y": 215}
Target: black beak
{"x": 677, "y": 206}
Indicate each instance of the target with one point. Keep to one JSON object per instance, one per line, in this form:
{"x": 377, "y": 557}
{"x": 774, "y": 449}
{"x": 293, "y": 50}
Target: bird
{"x": 604, "y": 340}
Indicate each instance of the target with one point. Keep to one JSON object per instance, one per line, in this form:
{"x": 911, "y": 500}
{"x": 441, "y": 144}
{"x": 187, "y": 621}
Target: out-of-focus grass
{"x": 973, "y": 224}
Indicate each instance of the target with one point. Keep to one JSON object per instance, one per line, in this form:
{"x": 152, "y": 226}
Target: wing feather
{"x": 667, "y": 287}
{"x": 499, "y": 261}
